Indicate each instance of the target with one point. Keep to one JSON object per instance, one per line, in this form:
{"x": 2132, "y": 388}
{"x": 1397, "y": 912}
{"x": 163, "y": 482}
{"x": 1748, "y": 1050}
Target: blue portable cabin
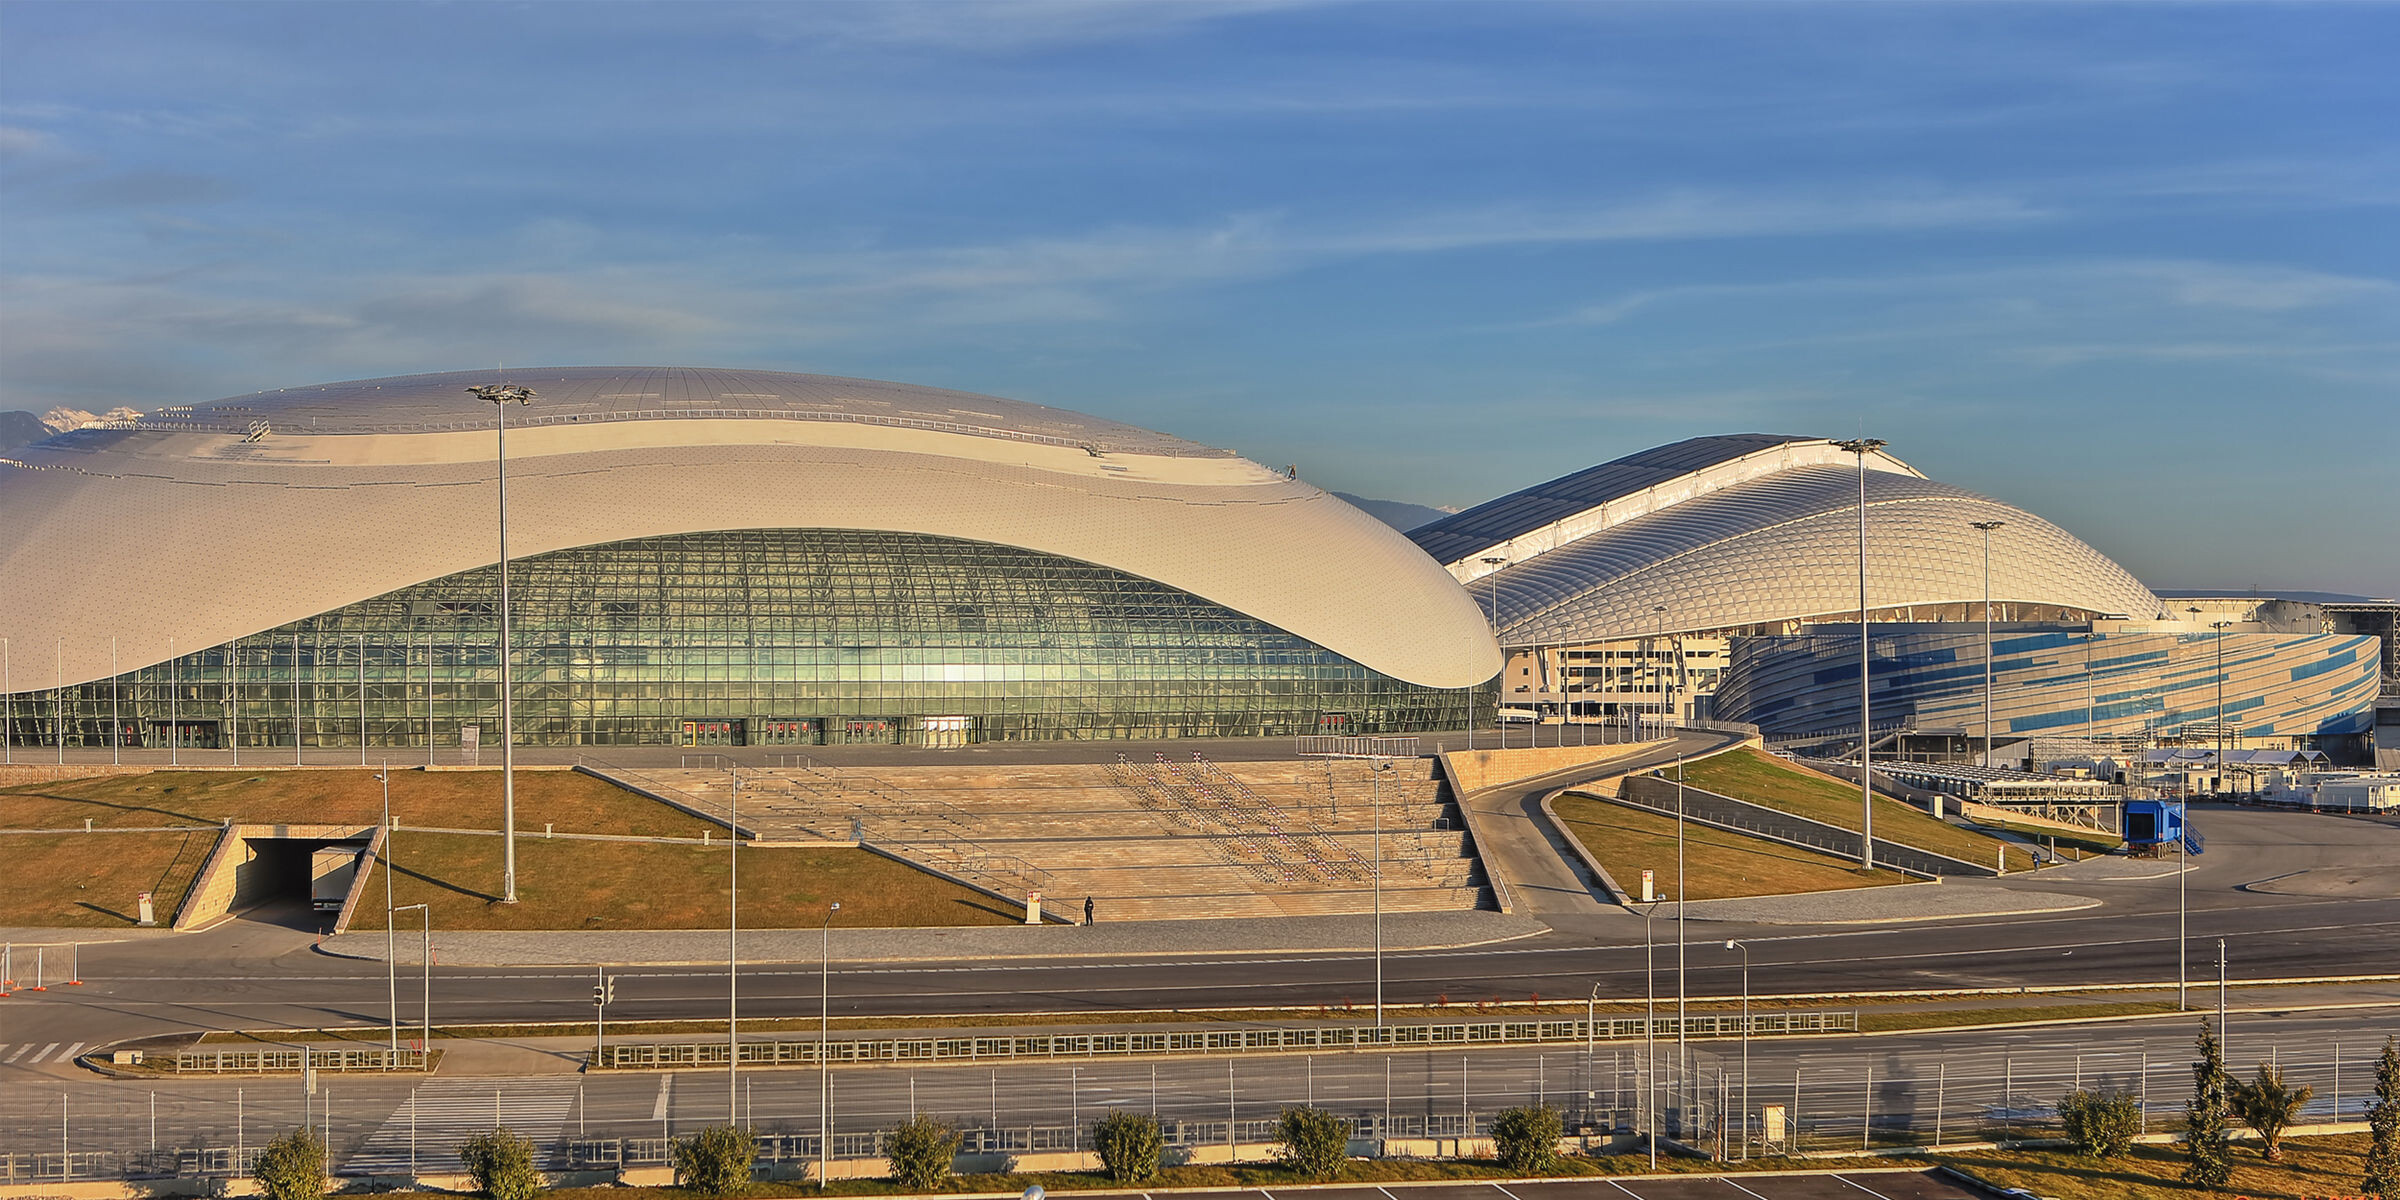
{"x": 2151, "y": 824}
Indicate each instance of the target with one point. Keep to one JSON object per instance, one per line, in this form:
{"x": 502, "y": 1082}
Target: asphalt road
{"x": 249, "y": 974}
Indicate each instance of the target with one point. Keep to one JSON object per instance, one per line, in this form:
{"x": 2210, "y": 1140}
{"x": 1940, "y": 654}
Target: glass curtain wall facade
{"x": 798, "y": 637}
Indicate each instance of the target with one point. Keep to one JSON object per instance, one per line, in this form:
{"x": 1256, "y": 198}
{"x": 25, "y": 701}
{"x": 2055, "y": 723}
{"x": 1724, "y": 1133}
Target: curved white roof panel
{"x": 216, "y": 521}
{"x": 1782, "y": 545}
{"x": 1546, "y": 516}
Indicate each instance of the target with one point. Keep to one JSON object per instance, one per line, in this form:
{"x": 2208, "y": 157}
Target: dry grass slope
{"x": 1723, "y": 864}
{"x": 1761, "y": 778}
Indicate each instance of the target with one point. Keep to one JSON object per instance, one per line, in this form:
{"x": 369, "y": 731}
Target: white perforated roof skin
{"x": 1785, "y": 547}
{"x": 180, "y": 528}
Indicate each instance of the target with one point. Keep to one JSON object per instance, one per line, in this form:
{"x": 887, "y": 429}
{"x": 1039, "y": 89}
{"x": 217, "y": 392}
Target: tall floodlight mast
{"x": 1987, "y": 527}
{"x": 501, "y": 395}
{"x": 1866, "y": 735}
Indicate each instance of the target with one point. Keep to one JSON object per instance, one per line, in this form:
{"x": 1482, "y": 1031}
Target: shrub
{"x": 715, "y": 1160}
{"x": 2383, "y": 1128}
{"x": 2207, "y": 1163}
{"x": 502, "y": 1164}
{"x": 2269, "y": 1105}
{"x": 2101, "y": 1124}
{"x": 1526, "y": 1139}
{"x": 1314, "y": 1142}
{"x": 1130, "y": 1146}
{"x": 922, "y": 1151}
{"x": 292, "y": 1167}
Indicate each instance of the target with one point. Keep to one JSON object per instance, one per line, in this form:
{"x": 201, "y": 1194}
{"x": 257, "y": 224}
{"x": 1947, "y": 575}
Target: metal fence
{"x": 271, "y": 1061}
{"x": 1064, "y": 1046}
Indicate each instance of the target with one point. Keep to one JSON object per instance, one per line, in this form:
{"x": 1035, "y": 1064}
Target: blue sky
{"x": 2134, "y": 267}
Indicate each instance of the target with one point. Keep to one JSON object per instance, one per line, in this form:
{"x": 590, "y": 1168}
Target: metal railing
{"x": 272, "y": 1061}
{"x": 1061, "y": 1046}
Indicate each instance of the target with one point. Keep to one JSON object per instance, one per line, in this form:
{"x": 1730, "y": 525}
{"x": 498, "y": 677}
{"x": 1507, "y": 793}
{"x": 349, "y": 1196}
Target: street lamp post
{"x": 1745, "y": 949}
{"x": 733, "y": 949}
{"x": 1683, "y": 1047}
{"x": 500, "y": 395}
{"x": 1491, "y": 575}
{"x": 1380, "y": 766}
{"x": 1987, "y": 527}
{"x": 1591, "y": 1036}
{"x": 391, "y": 967}
{"x": 427, "y": 959}
{"x": 1866, "y": 735}
{"x": 1650, "y": 1034}
{"x": 1666, "y": 684}
{"x": 824, "y": 1045}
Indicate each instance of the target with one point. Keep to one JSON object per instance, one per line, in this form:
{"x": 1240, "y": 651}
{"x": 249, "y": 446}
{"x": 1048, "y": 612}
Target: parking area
{"x": 1898, "y": 1184}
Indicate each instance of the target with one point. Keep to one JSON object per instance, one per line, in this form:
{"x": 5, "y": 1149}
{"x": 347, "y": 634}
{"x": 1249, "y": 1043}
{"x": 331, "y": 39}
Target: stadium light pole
{"x": 1380, "y": 766}
{"x": 1666, "y": 685}
{"x": 1492, "y": 590}
{"x": 500, "y": 395}
{"x": 116, "y": 720}
{"x": 1987, "y": 527}
{"x": 1866, "y": 733}
{"x": 8, "y": 721}
{"x": 2224, "y": 769}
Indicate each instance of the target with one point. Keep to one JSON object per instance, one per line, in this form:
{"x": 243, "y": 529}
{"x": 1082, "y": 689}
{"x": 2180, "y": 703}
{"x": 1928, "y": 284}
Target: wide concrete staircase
{"x": 1180, "y": 838}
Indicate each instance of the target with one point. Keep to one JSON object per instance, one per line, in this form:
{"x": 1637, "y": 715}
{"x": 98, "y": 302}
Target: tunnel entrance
{"x": 296, "y": 882}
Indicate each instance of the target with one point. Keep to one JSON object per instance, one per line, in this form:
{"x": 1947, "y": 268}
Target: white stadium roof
{"x": 1753, "y": 529}
{"x": 215, "y": 521}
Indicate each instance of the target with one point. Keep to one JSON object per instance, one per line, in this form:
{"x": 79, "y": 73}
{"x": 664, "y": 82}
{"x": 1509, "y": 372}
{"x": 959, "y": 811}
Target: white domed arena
{"x": 698, "y": 556}
{"x": 1720, "y": 577}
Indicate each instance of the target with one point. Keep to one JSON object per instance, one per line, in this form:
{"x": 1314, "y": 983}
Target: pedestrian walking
{"x": 1087, "y": 911}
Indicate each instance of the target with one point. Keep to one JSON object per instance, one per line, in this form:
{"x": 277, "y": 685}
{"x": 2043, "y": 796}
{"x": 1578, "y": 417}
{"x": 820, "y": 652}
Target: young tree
{"x": 2269, "y": 1105}
{"x": 1315, "y": 1143}
{"x": 292, "y": 1167}
{"x": 2206, "y": 1162}
{"x": 501, "y": 1163}
{"x": 1526, "y": 1139}
{"x": 1131, "y": 1146}
{"x": 921, "y": 1151}
{"x": 2383, "y": 1125}
{"x": 715, "y": 1160}
{"x": 2101, "y": 1124}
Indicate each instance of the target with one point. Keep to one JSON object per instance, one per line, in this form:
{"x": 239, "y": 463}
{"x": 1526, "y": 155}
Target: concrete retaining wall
{"x": 232, "y": 879}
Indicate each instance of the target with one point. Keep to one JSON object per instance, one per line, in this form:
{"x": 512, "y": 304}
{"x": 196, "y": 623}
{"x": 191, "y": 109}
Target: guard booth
{"x": 2152, "y": 825}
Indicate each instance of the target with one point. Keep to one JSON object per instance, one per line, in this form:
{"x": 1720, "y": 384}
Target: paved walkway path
{"x": 1523, "y": 852}
{"x": 1115, "y": 940}
{"x": 1892, "y": 905}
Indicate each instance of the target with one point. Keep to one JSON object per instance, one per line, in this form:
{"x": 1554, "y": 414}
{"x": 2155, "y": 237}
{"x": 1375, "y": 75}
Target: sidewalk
{"x": 1116, "y": 940}
{"x": 1886, "y": 905}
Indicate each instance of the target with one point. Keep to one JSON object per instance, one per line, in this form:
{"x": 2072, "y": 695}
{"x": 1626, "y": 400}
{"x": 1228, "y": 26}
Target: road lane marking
{"x": 1505, "y": 1192}
{"x": 1622, "y": 1188}
{"x": 1862, "y": 1187}
{"x": 658, "y": 1111}
{"x": 1745, "y": 1191}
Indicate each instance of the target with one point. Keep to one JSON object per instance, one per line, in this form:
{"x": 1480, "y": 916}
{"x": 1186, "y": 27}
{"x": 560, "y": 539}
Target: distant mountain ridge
{"x": 21, "y": 429}
{"x": 1399, "y": 514}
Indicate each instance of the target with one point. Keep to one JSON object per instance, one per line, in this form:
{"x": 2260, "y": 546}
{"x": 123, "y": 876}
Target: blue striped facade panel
{"x": 2275, "y": 685}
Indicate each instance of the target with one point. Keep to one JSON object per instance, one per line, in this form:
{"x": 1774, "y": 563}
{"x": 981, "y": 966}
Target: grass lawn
{"x": 1761, "y": 778}
{"x": 574, "y": 802}
{"x": 90, "y": 880}
{"x": 2089, "y": 840}
{"x": 2311, "y": 1167}
{"x": 565, "y": 884}
{"x": 1242, "y": 1175}
{"x": 1723, "y": 864}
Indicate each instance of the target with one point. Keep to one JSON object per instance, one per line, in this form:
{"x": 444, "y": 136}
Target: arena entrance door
{"x": 714, "y": 733}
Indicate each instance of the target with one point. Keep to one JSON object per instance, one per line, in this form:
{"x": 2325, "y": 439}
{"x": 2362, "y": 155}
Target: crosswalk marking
{"x": 446, "y": 1112}
{"x": 69, "y": 1054}
{"x": 20, "y": 1052}
{"x": 45, "y": 1052}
